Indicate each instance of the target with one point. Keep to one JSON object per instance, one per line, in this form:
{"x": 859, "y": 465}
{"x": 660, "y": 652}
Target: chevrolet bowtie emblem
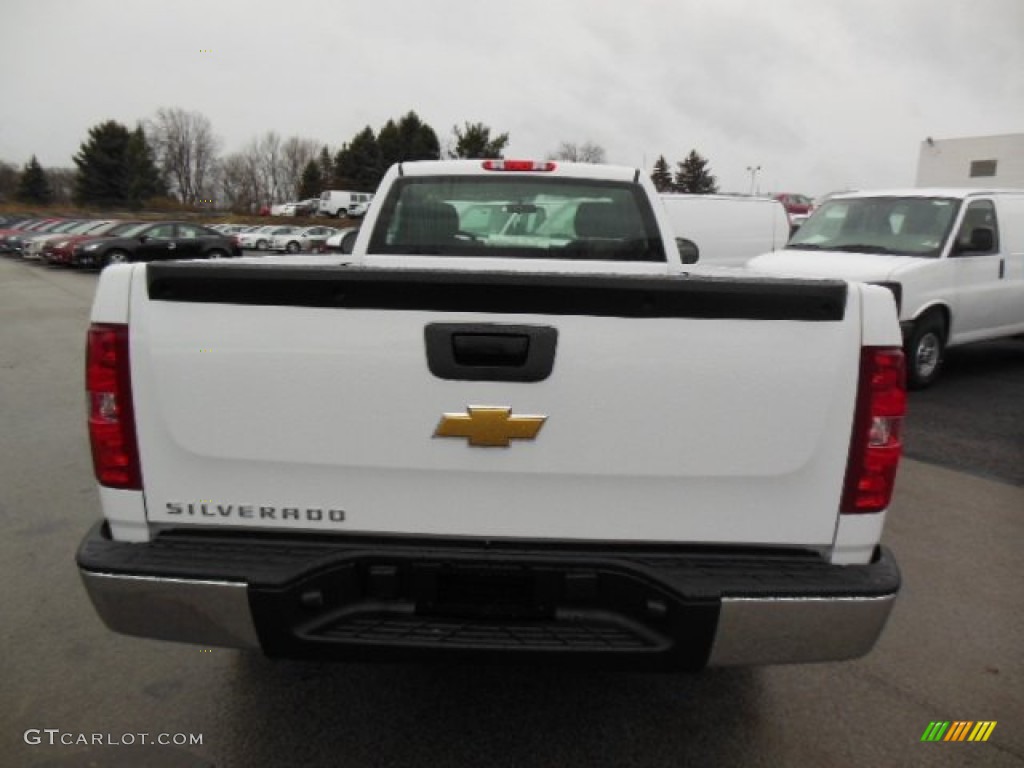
{"x": 488, "y": 426}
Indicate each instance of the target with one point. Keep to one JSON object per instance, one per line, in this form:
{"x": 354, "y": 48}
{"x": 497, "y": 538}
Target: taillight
{"x": 115, "y": 453}
{"x": 876, "y": 445}
{"x": 518, "y": 165}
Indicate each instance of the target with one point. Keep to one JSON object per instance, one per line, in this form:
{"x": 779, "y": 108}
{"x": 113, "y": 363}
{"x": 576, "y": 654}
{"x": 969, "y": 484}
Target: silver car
{"x": 301, "y": 239}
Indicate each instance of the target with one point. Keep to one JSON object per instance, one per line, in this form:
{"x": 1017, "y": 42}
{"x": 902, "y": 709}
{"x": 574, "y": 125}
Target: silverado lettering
{"x": 248, "y": 511}
{"x": 564, "y": 445}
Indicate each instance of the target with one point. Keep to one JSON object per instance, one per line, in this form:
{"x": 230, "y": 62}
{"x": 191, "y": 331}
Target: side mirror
{"x": 982, "y": 240}
{"x": 688, "y": 250}
{"x": 348, "y": 242}
{"x": 144, "y": 238}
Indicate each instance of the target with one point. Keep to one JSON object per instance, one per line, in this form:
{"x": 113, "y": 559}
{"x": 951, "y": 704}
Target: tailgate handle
{"x": 476, "y": 349}
{"x": 490, "y": 351}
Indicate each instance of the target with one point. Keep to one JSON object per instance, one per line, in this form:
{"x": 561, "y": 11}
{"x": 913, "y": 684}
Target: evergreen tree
{"x": 34, "y": 185}
{"x": 389, "y": 143}
{"x": 343, "y": 172}
{"x": 366, "y": 161}
{"x": 693, "y": 176}
{"x": 662, "y": 175}
{"x": 474, "y": 142}
{"x": 142, "y": 180}
{"x": 116, "y": 168}
{"x": 101, "y": 164}
{"x": 362, "y": 162}
{"x": 409, "y": 139}
{"x": 419, "y": 142}
{"x": 312, "y": 181}
{"x": 357, "y": 165}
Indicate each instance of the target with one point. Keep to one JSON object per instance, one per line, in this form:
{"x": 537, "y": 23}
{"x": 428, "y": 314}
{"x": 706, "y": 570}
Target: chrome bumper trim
{"x": 795, "y": 630}
{"x": 181, "y": 610}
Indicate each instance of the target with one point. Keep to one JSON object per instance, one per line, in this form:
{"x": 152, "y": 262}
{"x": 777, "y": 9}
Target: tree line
{"x": 175, "y": 155}
{"x": 692, "y": 176}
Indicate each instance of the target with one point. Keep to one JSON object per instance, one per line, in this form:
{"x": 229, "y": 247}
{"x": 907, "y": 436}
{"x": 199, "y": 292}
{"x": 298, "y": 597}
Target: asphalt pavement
{"x": 972, "y": 418}
{"x": 953, "y": 649}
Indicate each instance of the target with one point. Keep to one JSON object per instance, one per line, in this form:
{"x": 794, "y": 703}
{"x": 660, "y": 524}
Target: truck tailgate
{"x": 677, "y": 409}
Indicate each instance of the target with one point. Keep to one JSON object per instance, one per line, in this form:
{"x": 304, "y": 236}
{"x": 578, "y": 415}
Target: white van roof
{"x": 959, "y": 193}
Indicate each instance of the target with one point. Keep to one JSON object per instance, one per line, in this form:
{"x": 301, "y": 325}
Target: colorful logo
{"x": 958, "y": 730}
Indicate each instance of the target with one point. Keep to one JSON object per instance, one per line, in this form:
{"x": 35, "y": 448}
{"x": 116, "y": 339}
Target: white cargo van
{"x": 338, "y": 202}
{"x": 728, "y": 230}
{"x": 954, "y": 258}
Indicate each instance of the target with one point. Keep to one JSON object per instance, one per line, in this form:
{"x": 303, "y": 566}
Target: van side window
{"x": 981, "y": 214}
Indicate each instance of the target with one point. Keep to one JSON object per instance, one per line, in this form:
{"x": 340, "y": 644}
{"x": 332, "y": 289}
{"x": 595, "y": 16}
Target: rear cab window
{"x": 524, "y": 217}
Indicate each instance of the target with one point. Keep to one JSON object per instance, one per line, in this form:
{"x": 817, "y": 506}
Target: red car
{"x": 795, "y": 204}
{"x": 798, "y": 208}
{"x": 61, "y": 250}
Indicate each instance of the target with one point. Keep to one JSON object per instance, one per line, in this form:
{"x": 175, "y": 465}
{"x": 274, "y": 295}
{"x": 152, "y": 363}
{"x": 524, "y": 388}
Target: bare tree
{"x": 296, "y": 154}
{"x": 238, "y": 186}
{"x": 186, "y": 148}
{"x": 269, "y": 164}
{"x": 252, "y": 159}
{"x": 8, "y": 179}
{"x": 62, "y": 182}
{"x": 571, "y": 152}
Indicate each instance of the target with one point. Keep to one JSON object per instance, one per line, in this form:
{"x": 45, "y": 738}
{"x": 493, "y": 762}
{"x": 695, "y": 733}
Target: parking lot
{"x": 953, "y": 649}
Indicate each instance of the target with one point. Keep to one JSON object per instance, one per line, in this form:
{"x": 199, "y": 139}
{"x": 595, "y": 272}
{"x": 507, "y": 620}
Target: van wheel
{"x": 925, "y": 350}
{"x": 341, "y": 213}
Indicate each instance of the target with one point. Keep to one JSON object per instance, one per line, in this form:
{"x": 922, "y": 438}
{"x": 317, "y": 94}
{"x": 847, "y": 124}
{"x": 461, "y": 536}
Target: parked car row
{"x": 98, "y": 242}
{"x": 273, "y": 237}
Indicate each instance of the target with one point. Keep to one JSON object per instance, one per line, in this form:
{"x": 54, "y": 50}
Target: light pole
{"x": 753, "y": 171}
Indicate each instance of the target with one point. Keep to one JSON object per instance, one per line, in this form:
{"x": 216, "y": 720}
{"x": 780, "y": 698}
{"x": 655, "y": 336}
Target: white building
{"x": 973, "y": 161}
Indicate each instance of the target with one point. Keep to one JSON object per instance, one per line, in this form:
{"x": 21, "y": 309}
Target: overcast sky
{"x": 822, "y": 94}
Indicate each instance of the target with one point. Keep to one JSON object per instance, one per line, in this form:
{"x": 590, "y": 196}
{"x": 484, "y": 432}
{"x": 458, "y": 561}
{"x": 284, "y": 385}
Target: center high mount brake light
{"x": 518, "y": 165}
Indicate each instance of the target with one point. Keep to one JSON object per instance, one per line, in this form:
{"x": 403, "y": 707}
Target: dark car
{"x": 157, "y": 241}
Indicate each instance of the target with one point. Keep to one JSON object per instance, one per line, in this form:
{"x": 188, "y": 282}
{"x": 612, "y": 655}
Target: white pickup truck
{"x": 540, "y": 440}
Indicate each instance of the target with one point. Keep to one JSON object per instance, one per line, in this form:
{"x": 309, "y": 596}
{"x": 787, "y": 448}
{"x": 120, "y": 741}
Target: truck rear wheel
{"x": 925, "y": 350}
